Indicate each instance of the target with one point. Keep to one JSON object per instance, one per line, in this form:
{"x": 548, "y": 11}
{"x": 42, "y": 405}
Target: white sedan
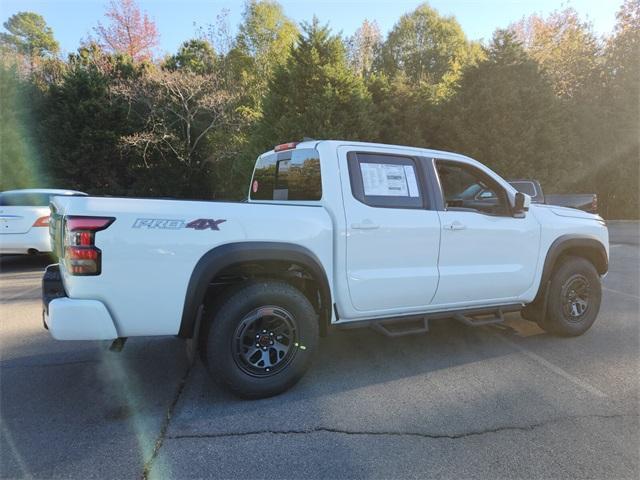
{"x": 24, "y": 220}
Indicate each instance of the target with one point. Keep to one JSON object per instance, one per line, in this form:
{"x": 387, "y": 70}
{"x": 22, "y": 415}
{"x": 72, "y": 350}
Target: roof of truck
{"x": 424, "y": 151}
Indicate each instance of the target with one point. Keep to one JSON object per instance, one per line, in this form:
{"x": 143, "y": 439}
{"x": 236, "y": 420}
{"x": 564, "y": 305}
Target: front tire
{"x": 574, "y": 298}
{"x": 261, "y": 339}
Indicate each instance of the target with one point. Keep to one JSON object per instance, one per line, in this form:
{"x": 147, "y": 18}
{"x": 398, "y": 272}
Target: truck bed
{"x": 149, "y": 252}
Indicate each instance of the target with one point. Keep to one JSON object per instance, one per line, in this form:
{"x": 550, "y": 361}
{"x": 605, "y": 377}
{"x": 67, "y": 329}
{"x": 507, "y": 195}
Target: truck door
{"x": 392, "y": 235}
{"x": 487, "y": 255}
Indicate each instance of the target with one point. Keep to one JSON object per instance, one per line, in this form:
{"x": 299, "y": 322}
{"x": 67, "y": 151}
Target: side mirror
{"x": 522, "y": 203}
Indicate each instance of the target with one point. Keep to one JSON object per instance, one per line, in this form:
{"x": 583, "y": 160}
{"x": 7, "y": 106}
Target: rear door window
{"x": 386, "y": 181}
{"x": 290, "y": 176}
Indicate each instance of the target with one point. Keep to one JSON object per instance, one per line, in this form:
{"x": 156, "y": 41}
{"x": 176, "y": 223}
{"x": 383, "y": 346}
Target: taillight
{"x": 42, "y": 222}
{"x": 81, "y": 256}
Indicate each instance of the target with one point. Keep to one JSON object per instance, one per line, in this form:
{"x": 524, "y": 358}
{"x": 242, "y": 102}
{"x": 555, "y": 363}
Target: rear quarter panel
{"x": 146, "y": 270}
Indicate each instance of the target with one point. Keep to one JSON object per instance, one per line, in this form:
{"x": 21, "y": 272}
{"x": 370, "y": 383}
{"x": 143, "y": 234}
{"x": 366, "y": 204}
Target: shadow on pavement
{"x": 24, "y": 263}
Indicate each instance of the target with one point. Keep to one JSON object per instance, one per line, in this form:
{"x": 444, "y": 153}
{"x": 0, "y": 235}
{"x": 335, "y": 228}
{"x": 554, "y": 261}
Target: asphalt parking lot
{"x": 492, "y": 402}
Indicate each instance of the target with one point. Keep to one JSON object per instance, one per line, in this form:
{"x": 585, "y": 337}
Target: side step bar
{"x": 478, "y": 320}
{"x": 402, "y": 328}
{"x": 410, "y": 325}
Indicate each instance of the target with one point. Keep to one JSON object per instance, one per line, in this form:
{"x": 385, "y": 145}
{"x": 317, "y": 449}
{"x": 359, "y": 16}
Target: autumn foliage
{"x": 128, "y": 31}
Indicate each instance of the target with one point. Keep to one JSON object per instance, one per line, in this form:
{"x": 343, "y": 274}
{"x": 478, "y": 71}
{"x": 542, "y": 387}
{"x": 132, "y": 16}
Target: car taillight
{"x": 42, "y": 222}
{"x": 81, "y": 256}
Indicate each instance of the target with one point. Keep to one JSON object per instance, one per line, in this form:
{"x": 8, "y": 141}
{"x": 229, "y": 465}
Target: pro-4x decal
{"x": 176, "y": 224}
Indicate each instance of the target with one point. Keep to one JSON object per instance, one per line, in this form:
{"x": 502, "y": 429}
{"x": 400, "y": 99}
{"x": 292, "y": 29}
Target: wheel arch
{"x": 590, "y": 248}
{"x": 229, "y": 255}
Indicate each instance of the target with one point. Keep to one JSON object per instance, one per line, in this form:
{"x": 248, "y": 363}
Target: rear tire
{"x": 574, "y": 298}
{"x": 261, "y": 339}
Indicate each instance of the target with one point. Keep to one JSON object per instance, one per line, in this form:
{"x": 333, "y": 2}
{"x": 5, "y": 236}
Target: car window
{"x": 525, "y": 187}
{"x": 24, "y": 199}
{"x": 292, "y": 175}
{"x": 386, "y": 181}
{"x": 466, "y": 188}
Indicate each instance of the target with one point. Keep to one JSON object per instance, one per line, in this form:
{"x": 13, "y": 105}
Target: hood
{"x": 573, "y": 213}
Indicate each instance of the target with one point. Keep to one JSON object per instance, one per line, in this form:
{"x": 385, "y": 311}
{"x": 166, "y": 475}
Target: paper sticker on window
{"x": 411, "y": 181}
{"x": 383, "y": 179}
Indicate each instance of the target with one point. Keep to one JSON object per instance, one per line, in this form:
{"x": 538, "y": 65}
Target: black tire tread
{"x": 553, "y": 320}
{"x": 223, "y": 319}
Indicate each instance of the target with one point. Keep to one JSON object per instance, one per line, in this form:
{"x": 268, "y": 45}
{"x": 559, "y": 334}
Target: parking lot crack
{"x": 166, "y": 422}
{"x": 450, "y": 436}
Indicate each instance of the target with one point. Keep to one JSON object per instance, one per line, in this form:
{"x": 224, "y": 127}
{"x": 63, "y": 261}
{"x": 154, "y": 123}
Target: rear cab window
{"x": 292, "y": 175}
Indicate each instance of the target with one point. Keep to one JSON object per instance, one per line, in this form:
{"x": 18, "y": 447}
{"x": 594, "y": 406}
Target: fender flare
{"x": 562, "y": 244}
{"x": 230, "y": 254}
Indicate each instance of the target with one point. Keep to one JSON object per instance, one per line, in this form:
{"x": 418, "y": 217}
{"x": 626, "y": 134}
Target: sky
{"x": 73, "y": 20}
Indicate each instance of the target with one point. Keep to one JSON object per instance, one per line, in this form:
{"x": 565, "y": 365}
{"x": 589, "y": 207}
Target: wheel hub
{"x": 575, "y": 297}
{"x": 264, "y": 341}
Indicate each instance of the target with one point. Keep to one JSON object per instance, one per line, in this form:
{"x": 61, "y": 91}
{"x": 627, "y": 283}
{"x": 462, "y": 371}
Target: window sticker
{"x": 411, "y": 181}
{"x": 388, "y": 180}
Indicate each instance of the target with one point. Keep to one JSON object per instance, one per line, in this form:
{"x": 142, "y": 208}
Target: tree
{"x": 129, "y": 31}
{"x": 179, "y": 111}
{"x": 20, "y": 162}
{"x": 196, "y": 56}
{"x": 615, "y": 121}
{"x": 263, "y": 43}
{"x": 563, "y": 45}
{"x": 401, "y": 114}
{"x": 82, "y": 121}
{"x": 506, "y": 115}
{"x": 429, "y": 49}
{"x": 315, "y": 94}
{"x": 29, "y": 35}
{"x": 363, "y": 48}
{"x": 266, "y": 35}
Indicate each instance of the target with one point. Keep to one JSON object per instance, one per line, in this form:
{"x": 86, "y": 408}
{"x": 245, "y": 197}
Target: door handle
{"x": 365, "y": 225}
{"x": 455, "y": 226}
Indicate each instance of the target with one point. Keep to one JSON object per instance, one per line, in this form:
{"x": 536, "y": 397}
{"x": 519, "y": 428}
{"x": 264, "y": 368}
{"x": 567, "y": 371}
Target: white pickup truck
{"x": 332, "y": 234}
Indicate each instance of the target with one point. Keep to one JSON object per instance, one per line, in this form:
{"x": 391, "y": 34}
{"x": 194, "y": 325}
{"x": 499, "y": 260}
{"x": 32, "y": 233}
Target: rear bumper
{"x": 73, "y": 319}
{"x": 37, "y": 238}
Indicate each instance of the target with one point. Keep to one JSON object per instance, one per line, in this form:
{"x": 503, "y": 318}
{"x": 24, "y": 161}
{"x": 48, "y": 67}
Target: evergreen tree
{"x": 83, "y": 121}
{"x": 196, "y": 56}
{"x": 315, "y": 94}
{"x": 506, "y": 115}
{"x": 29, "y": 35}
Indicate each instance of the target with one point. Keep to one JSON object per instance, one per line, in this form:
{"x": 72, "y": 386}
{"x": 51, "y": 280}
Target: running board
{"x": 401, "y": 328}
{"x": 480, "y": 319}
